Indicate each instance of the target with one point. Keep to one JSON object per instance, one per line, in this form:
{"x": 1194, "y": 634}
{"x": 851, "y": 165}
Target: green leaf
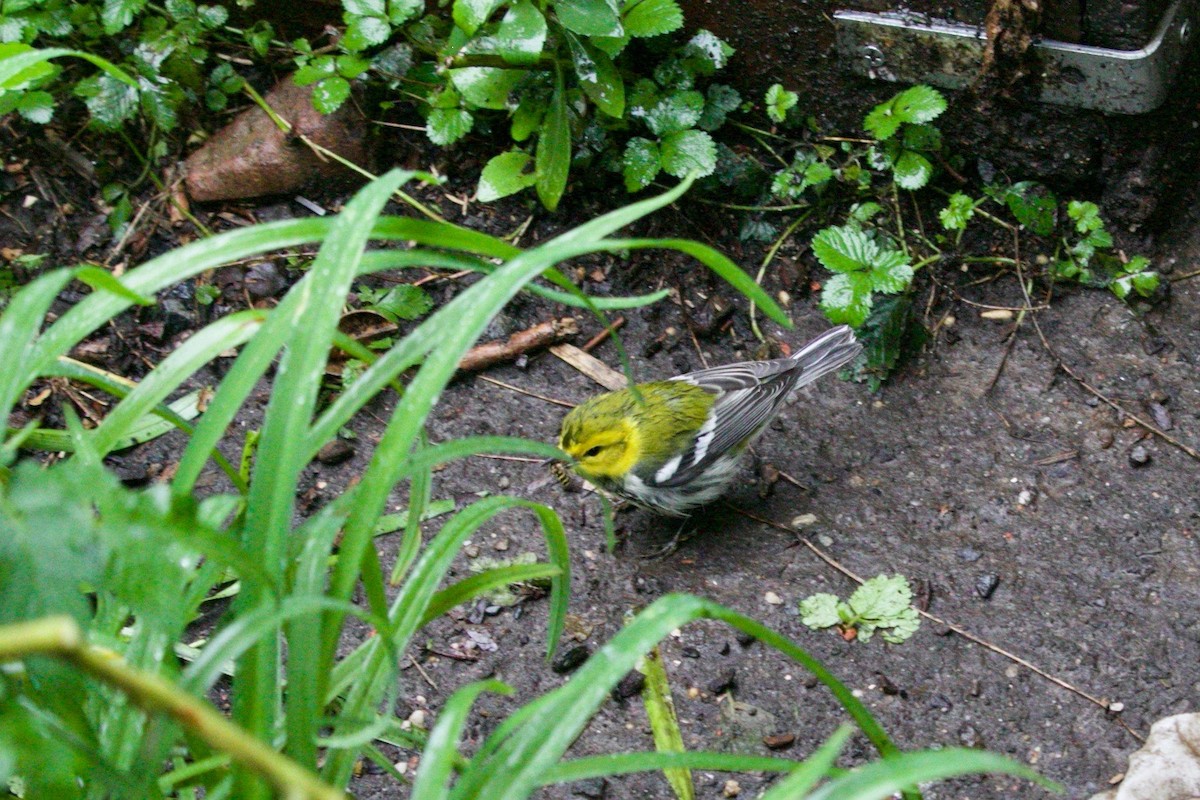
{"x": 36, "y": 106}
{"x": 329, "y": 94}
{"x": 404, "y": 301}
{"x": 470, "y": 14}
{"x": 720, "y": 101}
{"x": 401, "y": 11}
{"x": 881, "y": 597}
{"x": 844, "y": 249}
{"x": 27, "y": 76}
{"x": 528, "y": 116}
{"x": 902, "y": 771}
{"x": 110, "y": 101}
{"x": 116, "y": 15}
{"x": 641, "y": 162}
{"x": 846, "y": 298}
{"x": 705, "y": 53}
{"x": 589, "y": 17}
{"x": 448, "y": 125}
{"x": 486, "y": 87}
{"x": 688, "y": 151}
{"x": 1033, "y": 205}
{"x": 364, "y": 7}
{"x": 101, "y": 279}
{"x": 364, "y": 32}
{"x": 552, "y": 160}
{"x": 917, "y": 105}
{"x": 600, "y": 79}
{"x": 653, "y": 18}
{"x": 521, "y": 34}
{"x": 675, "y": 112}
{"x": 891, "y": 272}
{"x": 819, "y": 611}
{"x": 926, "y": 138}
{"x": 779, "y": 102}
{"x": 505, "y": 174}
{"x": 1086, "y": 216}
{"x": 958, "y": 211}
{"x": 912, "y": 170}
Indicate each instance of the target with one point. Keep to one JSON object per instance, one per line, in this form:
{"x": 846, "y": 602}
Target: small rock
{"x": 570, "y": 659}
{"x": 1139, "y": 456}
{"x": 630, "y": 685}
{"x": 887, "y": 686}
{"x": 1116, "y": 708}
{"x": 1162, "y": 417}
{"x": 745, "y": 639}
{"x": 418, "y": 719}
{"x": 723, "y": 682}
{"x": 970, "y": 737}
{"x": 472, "y": 551}
{"x": 773, "y": 599}
{"x": 335, "y": 452}
{"x": 690, "y": 652}
{"x": 595, "y": 788}
{"x": 732, "y": 788}
{"x": 804, "y": 520}
{"x": 724, "y": 649}
{"x": 940, "y": 702}
{"x": 264, "y": 280}
{"x": 503, "y": 482}
{"x": 779, "y": 741}
{"x": 500, "y": 545}
{"x": 986, "y": 584}
{"x": 969, "y": 555}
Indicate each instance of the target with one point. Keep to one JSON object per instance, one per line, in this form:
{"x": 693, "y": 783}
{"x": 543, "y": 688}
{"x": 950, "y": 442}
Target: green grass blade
{"x": 200, "y": 348}
{"x": 664, "y": 724}
{"x": 468, "y": 589}
{"x": 13, "y": 65}
{"x": 19, "y": 325}
{"x": 815, "y": 767}
{"x": 420, "y": 492}
{"x": 581, "y": 769}
{"x": 441, "y": 748}
{"x": 904, "y": 771}
{"x": 160, "y": 420}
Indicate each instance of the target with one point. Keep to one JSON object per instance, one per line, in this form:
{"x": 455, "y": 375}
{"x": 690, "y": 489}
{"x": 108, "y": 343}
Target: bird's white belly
{"x": 678, "y": 500}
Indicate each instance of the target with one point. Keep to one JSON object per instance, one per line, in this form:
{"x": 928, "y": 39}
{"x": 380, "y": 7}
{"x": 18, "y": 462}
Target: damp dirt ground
{"x": 1025, "y": 510}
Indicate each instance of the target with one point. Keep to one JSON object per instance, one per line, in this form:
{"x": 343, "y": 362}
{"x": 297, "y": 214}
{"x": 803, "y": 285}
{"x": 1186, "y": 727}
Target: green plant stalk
{"x": 62, "y": 637}
{"x": 664, "y": 723}
{"x": 767, "y": 259}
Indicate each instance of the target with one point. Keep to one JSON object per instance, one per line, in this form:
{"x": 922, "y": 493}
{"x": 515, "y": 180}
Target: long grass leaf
{"x": 664, "y": 724}
{"x": 19, "y": 325}
{"x": 468, "y": 589}
{"x": 812, "y": 771}
{"x": 441, "y": 748}
{"x": 904, "y": 771}
{"x": 582, "y": 769}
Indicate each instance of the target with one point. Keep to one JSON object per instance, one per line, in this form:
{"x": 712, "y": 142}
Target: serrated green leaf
{"x": 958, "y": 211}
{"x": 1033, "y": 205}
{"x": 846, "y": 298}
{"x": 401, "y": 11}
{"x": 688, "y": 151}
{"x": 486, "y": 87}
{"x": 675, "y": 112}
{"x": 819, "y": 611}
{"x": 470, "y": 14}
{"x": 925, "y": 138}
{"x": 552, "y": 160}
{"x": 706, "y": 53}
{"x": 721, "y": 99}
{"x": 329, "y": 94}
{"x": 589, "y": 17}
{"x": 505, "y": 174}
{"x": 404, "y": 301}
{"x": 110, "y": 101}
{"x": 919, "y": 104}
{"x": 844, "y": 249}
{"x": 817, "y": 173}
{"x": 881, "y": 597}
{"x": 364, "y": 7}
{"x": 912, "y": 170}
{"x": 1145, "y": 283}
{"x": 116, "y": 15}
{"x": 448, "y": 125}
{"x": 36, "y": 106}
{"x": 653, "y": 18}
{"x": 890, "y": 272}
{"x": 364, "y": 32}
{"x": 640, "y": 163}
{"x": 779, "y": 101}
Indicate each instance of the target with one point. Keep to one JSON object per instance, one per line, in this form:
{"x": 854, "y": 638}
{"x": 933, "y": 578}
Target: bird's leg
{"x": 672, "y": 546}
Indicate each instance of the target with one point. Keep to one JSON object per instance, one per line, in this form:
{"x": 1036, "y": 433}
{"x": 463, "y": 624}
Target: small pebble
{"x": 630, "y": 685}
{"x": 1116, "y": 708}
{"x": 570, "y": 659}
{"x": 500, "y": 544}
{"x": 417, "y": 719}
{"x": 723, "y": 682}
{"x": 940, "y": 702}
{"x": 745, "y": 639}
{"x": 594, "y": 788}
{"x": 690, "y": 652}
{"x": 804, "y": 520}
{"x": 969, "y": 555}
{"x": 985, "y": 585}
{"x": 773, "y": 599}
{"x": 732, "y": 788}
{"x": 970, "y": 737}
{"x": 503, "y": 482}
{"x": 1162, "y": 417}
{"x": 779, "y": 741}
{"x": 1139, "y": 456}
{"x": 335, "y": 452}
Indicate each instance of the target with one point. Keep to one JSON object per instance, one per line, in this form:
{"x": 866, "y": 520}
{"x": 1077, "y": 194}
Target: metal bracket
{"x": 910, "y": 48}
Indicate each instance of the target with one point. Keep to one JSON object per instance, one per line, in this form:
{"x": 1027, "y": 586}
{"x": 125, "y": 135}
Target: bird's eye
{"x": 593, "y": 452}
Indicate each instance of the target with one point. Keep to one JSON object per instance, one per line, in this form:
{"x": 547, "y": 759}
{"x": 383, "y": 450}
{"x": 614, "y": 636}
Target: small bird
{"x": 670, "y": 446}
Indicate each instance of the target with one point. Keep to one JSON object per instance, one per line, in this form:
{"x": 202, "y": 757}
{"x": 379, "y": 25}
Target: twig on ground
{"x": 596, "y": 340}
{"x": 590, "y": 366}
{"x": 526, "y": 392}
{"x": 541, "y": 335}
{"x": 828, "y": 559}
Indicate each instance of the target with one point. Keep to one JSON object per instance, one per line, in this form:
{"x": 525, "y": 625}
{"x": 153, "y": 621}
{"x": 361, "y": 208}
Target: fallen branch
{"x": 591, "y": 366}
{"x": 541, "y": 335}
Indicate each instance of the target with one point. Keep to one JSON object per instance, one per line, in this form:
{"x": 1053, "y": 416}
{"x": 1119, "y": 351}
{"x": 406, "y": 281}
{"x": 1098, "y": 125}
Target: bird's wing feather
{"x": 732, "y": 377}
{"x": 735, "y": 416}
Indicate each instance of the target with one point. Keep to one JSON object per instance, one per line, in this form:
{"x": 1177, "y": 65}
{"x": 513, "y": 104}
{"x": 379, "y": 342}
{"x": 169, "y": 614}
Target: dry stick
{"x": 590, "y": 366}
{"x": 1184, "y": 276}
{"x": 595, "y": 341}
{"x": 546, "y": 333}
{"x": 828, "y": 559}
{"x": 1191, "y": 451}
{"x": 526, "y": 392}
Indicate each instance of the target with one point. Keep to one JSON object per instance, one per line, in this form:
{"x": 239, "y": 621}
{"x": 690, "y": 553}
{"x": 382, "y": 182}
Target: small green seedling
{"x": 905, "y": 136}
{"x": 864, "y": 262}
{"x": 881, "y": 604}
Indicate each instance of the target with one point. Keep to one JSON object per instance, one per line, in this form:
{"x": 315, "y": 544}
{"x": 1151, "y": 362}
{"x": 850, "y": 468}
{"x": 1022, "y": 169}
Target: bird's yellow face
{"x": 604, "y": 444}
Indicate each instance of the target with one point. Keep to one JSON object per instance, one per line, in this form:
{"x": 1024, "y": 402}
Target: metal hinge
{"x": 911, "y": 48}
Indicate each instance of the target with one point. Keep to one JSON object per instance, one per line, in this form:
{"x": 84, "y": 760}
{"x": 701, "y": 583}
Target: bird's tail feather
{"x": 831, "y": 350}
